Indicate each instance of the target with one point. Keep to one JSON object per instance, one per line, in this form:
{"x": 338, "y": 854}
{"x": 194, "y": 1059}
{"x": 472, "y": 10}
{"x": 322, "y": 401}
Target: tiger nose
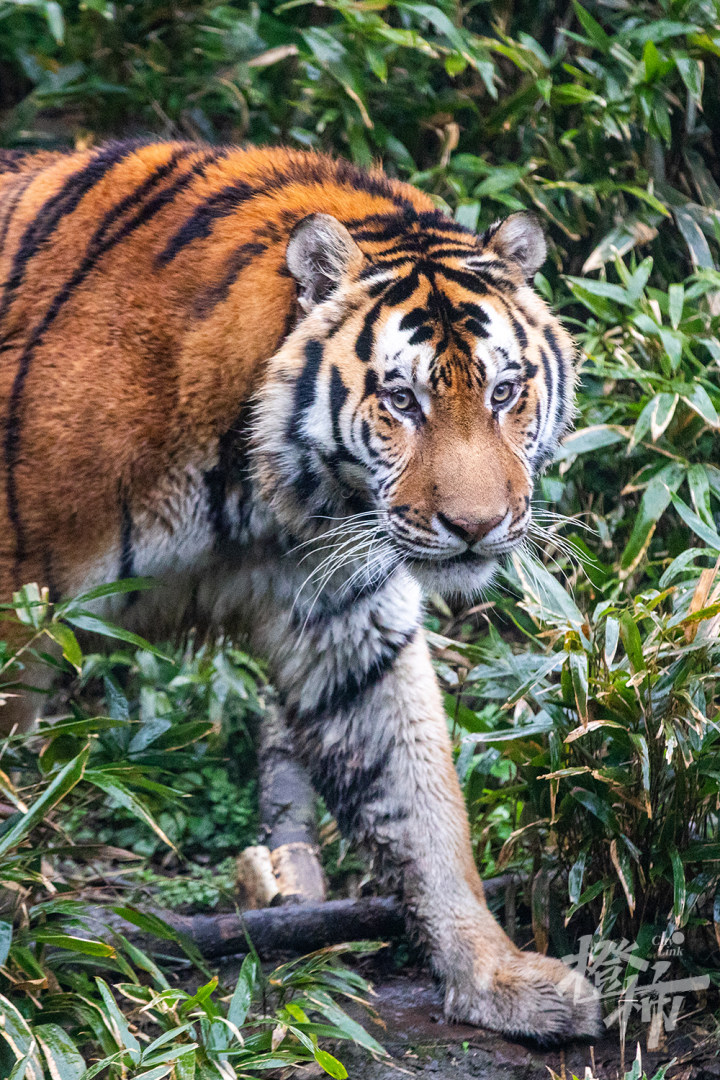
{"x": 471, "y": 531}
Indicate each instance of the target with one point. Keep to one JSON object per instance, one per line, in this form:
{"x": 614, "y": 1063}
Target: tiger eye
{"x": 502, "y": 393}
{"x": 403, "y": 400}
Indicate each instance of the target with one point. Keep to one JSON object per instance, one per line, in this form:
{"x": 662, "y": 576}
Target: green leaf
{"x": 652, "y": 60}
{"x": 113, "y": 588}
{"x": 673, "y": 342}
{"x": 547, "y": 598}
{"x": 640, "y": 743}
{"x": 676, "y": 302}
{"x": 443, "y": 25}
{"x": 85, "y": 946}
{"x": 522, "y": 731}
{"x": 349, "y": 1027}
{"x": 579, "y": 677}
{"x": 694, "y": 238}
{"x": 588, "y": 439}
{"x": 699, "y": 401}
{"x": 55, "y": 20}
{"x": 662, "y": 410}
{"x": 699, "y": 485}
{"x": 63, "y": 783}
{"x": 623, "y": 868}
{"x": 601, "y": 288}
{"x": 5, "y": 939}
{"x": 122, "y": 1034}
{"x": 64, "y": 1060}
{"x": 679, "y": 886}
{"x": 692, "y": 74}
{"x": 111, "y": 785}
{"x": 16, "y": 1031}
{"x": 153, "y": 924}
{"x": 653, "y": 504}
{"x": 330, "y": 1064}
{"x": 67, "y": 641}
{"x": 26, "y": 1068}
{"x": 243, "y": 992}
{"x": 573, "y": 94}
{"x": 595, "y": 805}
{"x": 698, "y": 526}
{"x": 592, "y": 28}
{"x": 632, "y": 641}
{"x": 30, "y": 607}
{"x": 575, "y": 877}
{"x": 612, "y": 635}
{"x": 85, "y": 620}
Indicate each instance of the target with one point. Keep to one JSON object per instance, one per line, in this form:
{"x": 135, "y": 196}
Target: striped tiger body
{"x": 298, "y": 395}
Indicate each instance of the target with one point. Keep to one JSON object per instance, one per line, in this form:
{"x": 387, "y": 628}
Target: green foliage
{"x": 189, "y": 722}
{"x": 77, "y": 997}
{"x": 634, "y": 1073}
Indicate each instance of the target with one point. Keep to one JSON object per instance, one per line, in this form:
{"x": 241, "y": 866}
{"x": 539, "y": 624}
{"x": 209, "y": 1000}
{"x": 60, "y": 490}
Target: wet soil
{"x": 422, "y": 1044}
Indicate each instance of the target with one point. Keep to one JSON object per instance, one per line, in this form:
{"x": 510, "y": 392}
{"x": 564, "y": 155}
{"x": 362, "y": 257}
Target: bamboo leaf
{"x": 112, "y": 786}
{"x": 623, "y": 868}
{"x": 123, "y": 1036}
{"x": 679, "y": 886}
{"x": 62, "y": 1056}
{"x": 63, "y": 783}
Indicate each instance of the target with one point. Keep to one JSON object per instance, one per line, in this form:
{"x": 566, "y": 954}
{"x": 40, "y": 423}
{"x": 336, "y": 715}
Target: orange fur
{"x": 127, "y": 378}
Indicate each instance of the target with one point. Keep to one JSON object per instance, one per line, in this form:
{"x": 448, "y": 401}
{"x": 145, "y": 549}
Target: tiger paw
{"x": 527, "y": 996}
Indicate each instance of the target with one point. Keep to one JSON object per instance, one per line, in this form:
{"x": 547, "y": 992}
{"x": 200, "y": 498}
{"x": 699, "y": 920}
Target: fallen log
{"x": 294, "y": 928}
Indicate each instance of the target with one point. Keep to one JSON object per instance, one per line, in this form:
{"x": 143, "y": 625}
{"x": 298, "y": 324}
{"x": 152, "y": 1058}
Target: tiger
{"x": 301, "y": 397}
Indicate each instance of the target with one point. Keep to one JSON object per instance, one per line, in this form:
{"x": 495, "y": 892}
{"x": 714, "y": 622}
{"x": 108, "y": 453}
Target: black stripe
{"x": 199, "y": 225}
{"x": 557, "y": 353}
{"x": 303, "y": 170}
{"x": 392, "y": 294}
{"x": 56, "y": 208}
{"x": 127, "y": 555}
{"x": 14, "y": 198}
{"x": 141, "y": 191}
{"x": 338, "y": 397}
{"x": 549, "y": 383}
{"x": 350, "y": 693}
{"x": 94, "y": 252}
{"x": 423, "y": 333}
{"x": 216, "y": 294}
{"x": 306, "y": 482}
{"x": 218, "y": 478}
{"x": 371, "y": 383}
{"x": 305, "y": 388}
{"x": 475, "y": 281}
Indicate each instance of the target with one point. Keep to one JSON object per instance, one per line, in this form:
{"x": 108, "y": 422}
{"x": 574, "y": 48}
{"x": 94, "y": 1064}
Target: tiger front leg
{"x": 371, "y": 727}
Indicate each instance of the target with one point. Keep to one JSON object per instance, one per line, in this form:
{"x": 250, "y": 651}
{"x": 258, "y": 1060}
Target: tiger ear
{"x": 520, "y": 239}
{"x": 319, "y": 253}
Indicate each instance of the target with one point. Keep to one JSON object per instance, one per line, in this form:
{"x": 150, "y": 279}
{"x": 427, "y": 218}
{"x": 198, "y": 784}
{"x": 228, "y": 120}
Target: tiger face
{"x": 418, "y": 397}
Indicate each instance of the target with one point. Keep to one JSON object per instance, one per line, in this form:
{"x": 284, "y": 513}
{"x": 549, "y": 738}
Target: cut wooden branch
{"x": 257, "y": 885}
{"x": 290, "y": 854}
{"x": 298, "y": 928}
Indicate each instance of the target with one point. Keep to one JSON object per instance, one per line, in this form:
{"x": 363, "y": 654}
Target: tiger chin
{"x": 297, "y": 395}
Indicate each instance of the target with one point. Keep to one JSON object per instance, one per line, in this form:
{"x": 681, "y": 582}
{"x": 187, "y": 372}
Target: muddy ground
{"x": 422, "y": 1044}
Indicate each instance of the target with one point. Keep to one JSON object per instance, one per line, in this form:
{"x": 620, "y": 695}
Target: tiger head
{"x": 422, "y": 390}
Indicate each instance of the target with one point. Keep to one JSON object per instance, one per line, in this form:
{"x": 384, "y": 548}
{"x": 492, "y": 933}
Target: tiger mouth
{"x": 463, "y": 558}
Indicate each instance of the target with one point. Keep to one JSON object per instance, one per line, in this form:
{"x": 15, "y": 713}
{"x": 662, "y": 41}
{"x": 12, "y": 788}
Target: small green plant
{"x": 634, "y": 1073}
{"x": 77, "y": 997}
